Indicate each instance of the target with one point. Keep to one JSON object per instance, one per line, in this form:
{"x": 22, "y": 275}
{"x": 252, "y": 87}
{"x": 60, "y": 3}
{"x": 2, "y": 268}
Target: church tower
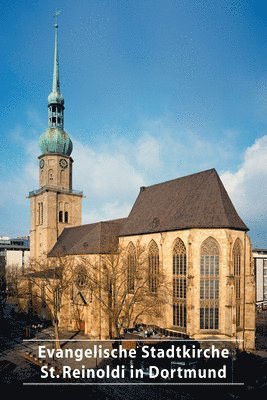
{"x": 55, "y": 205}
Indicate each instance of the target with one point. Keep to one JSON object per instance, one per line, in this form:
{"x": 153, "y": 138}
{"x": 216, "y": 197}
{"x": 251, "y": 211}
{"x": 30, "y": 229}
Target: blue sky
{"x": 153, "y": 90}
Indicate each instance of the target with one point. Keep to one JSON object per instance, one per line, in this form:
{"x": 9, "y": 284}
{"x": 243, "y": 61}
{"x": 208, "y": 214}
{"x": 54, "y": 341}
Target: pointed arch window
{"x": 179, "y": 283}
{"x": 209, "y": 285}
{"x": 153, "y": 267}
{"x": 237, "y": 276}
{"x": 131, "y": 268}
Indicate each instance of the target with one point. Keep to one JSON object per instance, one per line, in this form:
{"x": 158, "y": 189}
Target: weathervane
{"x": 57, "y": 13}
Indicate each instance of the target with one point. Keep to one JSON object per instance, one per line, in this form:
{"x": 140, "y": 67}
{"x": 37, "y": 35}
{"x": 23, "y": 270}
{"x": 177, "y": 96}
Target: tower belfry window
{"x": 66, "y": 217}
{"x": 60, "y": 216}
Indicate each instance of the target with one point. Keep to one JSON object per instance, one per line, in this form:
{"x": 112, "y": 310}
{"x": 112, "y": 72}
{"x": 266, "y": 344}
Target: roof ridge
{"x": 79, "y": 226}
{"x": 181, "y": 177}
{"x": 112, "y": 220}
{"x": 95, "y": 223}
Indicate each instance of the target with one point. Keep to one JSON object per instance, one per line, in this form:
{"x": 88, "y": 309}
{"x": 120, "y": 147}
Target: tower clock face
{"x": 63, "y": 163}
{"x": 41, "y": 164}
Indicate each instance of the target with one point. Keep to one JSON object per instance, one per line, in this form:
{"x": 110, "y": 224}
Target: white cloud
{"x": 16, "y": 185}
{"x": 105, "y": 174}
{"x": 111, "y": 174}
{"x": 261, "y": 98}
{"x": 109, "y": 180}
{"x": 148, "y": 152}
{"x": 248, "y": 185}
{"x": 247, "y": 188}
{"x": 183, "y": 151}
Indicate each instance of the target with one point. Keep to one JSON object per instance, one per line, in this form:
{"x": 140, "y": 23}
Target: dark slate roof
{"x": 194, "y": 201}
{"x": 257, "y": 250}
{"x": 98, "y": 238}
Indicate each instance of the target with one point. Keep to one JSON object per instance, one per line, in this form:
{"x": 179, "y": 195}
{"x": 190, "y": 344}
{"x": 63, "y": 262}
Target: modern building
{"x": 14, "y": 252}
{"x": 14, "y": 258}
{"x": 260, "y": 263}
{"x": 189, "y": 233}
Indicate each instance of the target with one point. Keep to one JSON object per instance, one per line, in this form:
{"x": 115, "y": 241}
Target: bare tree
{"x": 48, "y": 283}
{"x": 121, "y": 284}
{"x": 2, "y": 286}
{"x": 13, "y": 278}
{"x": 3, "y": 295}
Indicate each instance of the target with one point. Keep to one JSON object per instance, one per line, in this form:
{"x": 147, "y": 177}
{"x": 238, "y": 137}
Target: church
{"x": 189, "y": 234}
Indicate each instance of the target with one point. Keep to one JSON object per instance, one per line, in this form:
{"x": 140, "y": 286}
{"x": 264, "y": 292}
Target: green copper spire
{"x": 56, "y": 85}
{"x": 55, "y": 98}
{"x": 55, "y": 139}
